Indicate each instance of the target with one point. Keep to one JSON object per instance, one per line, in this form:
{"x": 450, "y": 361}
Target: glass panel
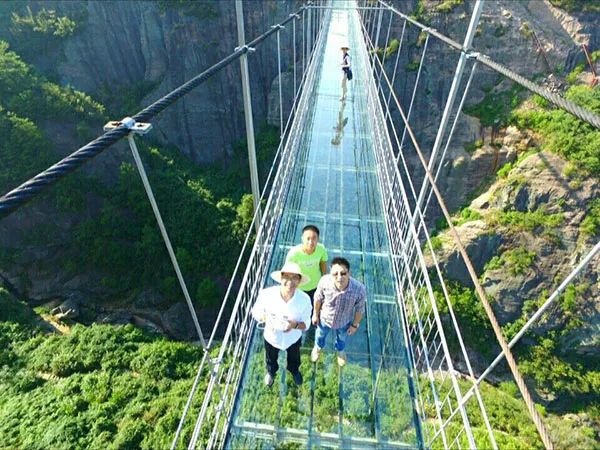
{"x": 367, "y": 403}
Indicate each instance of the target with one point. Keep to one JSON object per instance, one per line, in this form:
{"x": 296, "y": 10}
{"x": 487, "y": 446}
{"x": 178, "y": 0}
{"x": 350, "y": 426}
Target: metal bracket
{"x": 248, "y": 49}
{"x": 472, "y": 55}
{"x": 140, "y": 128}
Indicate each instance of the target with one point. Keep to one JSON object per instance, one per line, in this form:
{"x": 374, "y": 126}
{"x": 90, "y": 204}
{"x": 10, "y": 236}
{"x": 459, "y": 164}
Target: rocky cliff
{"x": 141, "y": 50}
{"x": 512, "y": 33}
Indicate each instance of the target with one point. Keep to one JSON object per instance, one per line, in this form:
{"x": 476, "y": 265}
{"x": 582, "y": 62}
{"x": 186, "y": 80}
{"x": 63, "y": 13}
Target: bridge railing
{"x": 421, "y": 288}
{"x": 226, "y": 369}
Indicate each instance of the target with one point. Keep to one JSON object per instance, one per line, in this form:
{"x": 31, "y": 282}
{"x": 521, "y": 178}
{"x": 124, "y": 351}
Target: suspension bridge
{"x": 341, "y": 165}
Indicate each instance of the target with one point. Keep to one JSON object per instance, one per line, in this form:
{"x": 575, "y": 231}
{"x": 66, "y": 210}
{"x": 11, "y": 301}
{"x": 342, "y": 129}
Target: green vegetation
{"x": 412, "y": 66}
{"x": 515, "y": 260}
{"x": 590, "y": 226}
{"x": 565, "y": 134}
{"x": 466, "y": 215}
{"x": 576, "y": 5}
{"x": 572, "y": 77}
{"x": 572, "y": 379}
{"x": 99, "y": 386}
{"x": 531, "y": 221}
{"x": 205, "y": 9}
{"x": 27, "y": 100}
{"x": 392, "y": 48}
{"x": 447, "y": 6}
{"x": 470, "y": 148}
{"x": 469, "y": 312}
{"x": 496, "y": 107}
{"x": 45, "y": 22}
{"x": 204, "y": 209}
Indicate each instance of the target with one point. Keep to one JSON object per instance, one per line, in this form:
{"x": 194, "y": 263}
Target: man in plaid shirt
{"x": 339, "y": 305}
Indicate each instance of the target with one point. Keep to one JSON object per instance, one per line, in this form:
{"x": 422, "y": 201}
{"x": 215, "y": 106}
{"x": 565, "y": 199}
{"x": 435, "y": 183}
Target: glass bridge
{"x": 369, "y": 403}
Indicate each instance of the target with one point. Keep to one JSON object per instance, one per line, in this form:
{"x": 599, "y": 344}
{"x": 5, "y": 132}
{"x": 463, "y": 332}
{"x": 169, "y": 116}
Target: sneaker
{"x": 297, "y": 378}
{"x": 314, "y": 355}
{"x": 341, "y": 359}
{"x": 268, "y": 379}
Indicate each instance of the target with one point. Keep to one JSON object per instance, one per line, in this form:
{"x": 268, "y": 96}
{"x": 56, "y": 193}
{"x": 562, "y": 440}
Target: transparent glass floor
{"x": 368, "y": 403}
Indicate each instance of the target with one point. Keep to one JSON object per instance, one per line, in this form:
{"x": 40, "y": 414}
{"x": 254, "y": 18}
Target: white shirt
{"x": 275, "y": 312}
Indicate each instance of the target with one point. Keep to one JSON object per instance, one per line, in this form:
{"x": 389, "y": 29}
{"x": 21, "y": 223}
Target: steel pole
{"x": 462, "y": 61}
{"x": 239, "y": 13}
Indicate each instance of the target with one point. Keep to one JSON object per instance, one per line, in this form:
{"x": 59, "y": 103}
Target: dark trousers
{"x": 311, "y": 294}
{"x": 293, "y": 357}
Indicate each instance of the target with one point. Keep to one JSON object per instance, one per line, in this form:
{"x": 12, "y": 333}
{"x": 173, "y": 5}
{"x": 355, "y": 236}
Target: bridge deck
{"x": 367, "y": 404}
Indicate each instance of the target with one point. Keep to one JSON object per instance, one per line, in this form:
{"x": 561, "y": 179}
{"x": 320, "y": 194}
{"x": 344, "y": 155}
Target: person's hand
{"x": 315, "y": 320}
{"x": 290, "y": 326}
{"x": 351, "y": 330}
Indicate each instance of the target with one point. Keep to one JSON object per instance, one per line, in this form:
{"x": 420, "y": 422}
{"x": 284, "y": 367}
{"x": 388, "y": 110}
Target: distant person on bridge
{"x": 285, "y": 311}
{"x": 311, "y": 256}
{"x": 346, "y": 71}
{"x": 339, "y": 306}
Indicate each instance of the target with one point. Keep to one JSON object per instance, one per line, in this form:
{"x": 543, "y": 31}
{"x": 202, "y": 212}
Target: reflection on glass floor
{"x": 367, "y": 404}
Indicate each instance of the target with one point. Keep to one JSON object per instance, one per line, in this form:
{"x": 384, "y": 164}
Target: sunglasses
{"x": 341, "y": 274}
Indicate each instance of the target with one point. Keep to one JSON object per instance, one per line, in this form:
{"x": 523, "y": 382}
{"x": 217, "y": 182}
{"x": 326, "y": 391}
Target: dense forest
{"x": 80, "y": 384}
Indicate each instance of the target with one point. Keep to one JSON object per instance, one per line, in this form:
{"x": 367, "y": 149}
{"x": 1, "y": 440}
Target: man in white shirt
{"x": 286, "y": 312}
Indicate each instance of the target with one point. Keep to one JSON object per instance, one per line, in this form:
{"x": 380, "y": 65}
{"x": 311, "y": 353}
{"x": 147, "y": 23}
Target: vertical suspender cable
{"x": 304, "y": 43}
{"x": 414, "y": 94}
{"x": 385, "y": 47}
{"x": 165, "y": 235}
{"x": 388, "y": 114}
{"x": 294, "y": 51}
{"x": 457, "y": 116}
{"x": 280, "y": 82}
{"x": 451, "y": 97}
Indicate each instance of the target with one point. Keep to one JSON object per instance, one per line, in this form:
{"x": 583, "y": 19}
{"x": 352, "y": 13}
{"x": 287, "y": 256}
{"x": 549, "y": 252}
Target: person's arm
{"x": 317, "y": 302}
{"x": 323, "y": 265}
{"x": 355, "y": 323}
{"x": 359, "y": 311}
{"x": 323, "y": 262}
{"x": 258, "y": 310}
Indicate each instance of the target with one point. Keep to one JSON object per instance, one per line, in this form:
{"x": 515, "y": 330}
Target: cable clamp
{"x": 129, "y": 123}
{"x": 472, "y": 55}
{"x": 297, "y": 16}
{"x": 278, "y": 26}
{"x": 246, "y": 48}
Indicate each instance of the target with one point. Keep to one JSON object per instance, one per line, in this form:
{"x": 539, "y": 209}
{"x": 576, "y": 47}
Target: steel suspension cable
{"x": 238, "y": 263}
{"x": 16, "y": 198}
{"x": 482, "y": 295}
{"x": 438, "y": 322}
{"x": 436, "y": 264}
{"x": 578, "y": 111}
{"x": 595, "y": 251}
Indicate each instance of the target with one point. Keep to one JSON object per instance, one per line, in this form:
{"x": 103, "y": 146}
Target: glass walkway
{"x": 368, "y": 403}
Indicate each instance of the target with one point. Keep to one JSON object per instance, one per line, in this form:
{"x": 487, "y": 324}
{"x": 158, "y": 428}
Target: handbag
{"x": 348, "y": 73}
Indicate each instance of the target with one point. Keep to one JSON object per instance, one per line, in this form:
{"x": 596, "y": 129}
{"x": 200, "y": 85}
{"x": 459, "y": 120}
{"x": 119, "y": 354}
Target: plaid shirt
{"x": 338, "y": 307}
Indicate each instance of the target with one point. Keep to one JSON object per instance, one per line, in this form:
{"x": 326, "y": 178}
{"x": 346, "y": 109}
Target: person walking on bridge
{"x": 339, "y": 306}
{"x": 346, "y": 71}
{"x": 285, "y": 311}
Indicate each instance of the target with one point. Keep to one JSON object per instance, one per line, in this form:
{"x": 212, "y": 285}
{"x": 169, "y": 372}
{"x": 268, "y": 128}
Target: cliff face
{"x": 510, "y": 32}
{"x": 127, "y": 48}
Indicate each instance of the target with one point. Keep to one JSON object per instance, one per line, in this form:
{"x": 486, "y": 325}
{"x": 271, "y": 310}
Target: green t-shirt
{"x": 309, "y": 264}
